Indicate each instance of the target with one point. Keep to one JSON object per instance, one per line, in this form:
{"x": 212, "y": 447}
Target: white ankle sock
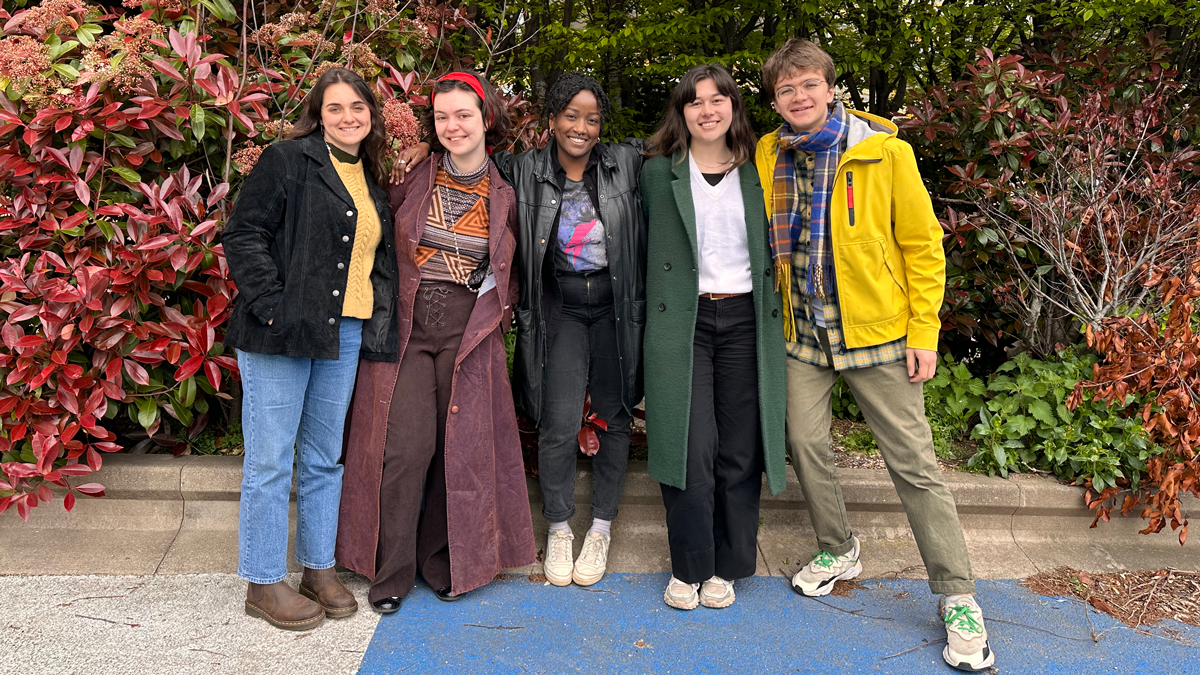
{"x": 601, "y": 526}
{"x": 562, "y": 527}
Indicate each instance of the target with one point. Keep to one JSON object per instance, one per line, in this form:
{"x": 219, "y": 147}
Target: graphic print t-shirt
{"x": 580, "y": 232}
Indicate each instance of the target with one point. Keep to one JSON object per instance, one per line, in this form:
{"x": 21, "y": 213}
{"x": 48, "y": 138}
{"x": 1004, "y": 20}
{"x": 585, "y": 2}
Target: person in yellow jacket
{"x": 858, "y": 257}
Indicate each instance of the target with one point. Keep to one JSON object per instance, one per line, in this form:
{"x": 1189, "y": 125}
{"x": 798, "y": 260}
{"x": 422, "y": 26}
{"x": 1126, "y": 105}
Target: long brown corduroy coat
{"x": 488, "y": 505}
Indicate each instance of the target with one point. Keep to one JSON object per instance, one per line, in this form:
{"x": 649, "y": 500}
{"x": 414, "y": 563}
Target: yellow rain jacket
{"x": 890, "y": 266}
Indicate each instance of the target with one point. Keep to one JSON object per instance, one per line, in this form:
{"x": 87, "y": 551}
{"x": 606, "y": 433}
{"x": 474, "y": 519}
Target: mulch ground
{"x": 1134, "y": 598}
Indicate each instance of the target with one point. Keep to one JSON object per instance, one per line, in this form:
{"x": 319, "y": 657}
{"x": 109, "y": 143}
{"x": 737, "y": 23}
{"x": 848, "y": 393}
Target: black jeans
{"x": 712, "y": 525}
{"x": 583, "y": 358}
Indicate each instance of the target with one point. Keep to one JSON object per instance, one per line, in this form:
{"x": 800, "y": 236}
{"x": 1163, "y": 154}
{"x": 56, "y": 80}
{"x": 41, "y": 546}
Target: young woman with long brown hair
{"x": 316, "y": 277}
{"x": 435, "y": 481}
{"x": 715, "y": 389}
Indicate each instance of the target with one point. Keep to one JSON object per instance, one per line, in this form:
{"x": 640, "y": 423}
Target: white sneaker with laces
{"x": 559, "y": 557}
{"x": 817, "y": 577}
{"x": 967, "y": 645}
{"x": 716, "y": 593}
{"x": 680, "y": 595}
{"x": 593, "y": 559}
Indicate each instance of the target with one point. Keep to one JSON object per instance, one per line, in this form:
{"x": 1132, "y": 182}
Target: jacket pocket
{"x": 868, "y": 291}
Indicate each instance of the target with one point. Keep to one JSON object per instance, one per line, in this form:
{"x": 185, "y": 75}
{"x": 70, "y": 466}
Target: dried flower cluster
{"x": 360, "y": 58}
{"x": 289, "y": 24}
{"x": 133, "y": 41}
{"x": 47, "y": 18}
{"x": 26, "y": 63}
{"x": 277, "y": 129}
{"x": 418, "y": 31}
{"x": 314, "y": 39}
{"x": 402, "y": 126}
{"x": 245, "y": 159}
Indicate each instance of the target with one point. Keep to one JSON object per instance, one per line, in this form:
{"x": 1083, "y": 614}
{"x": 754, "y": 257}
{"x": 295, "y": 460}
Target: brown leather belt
{"x": 721, "y": 296}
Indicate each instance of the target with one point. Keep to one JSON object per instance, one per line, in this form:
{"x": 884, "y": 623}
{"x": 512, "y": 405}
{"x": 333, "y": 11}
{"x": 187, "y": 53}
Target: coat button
{"x": 345, "y": 237}
{"x": 553, "y": 202}
{"x": 341, "y": 266}
{"x": 349, "y": 214}
{"x": 767, "y": 272}
{"x": 454, "y": 409}
{"x": 662, "y": 307}
{"x": 336, "y": 293}
{"x": 774, "y": 312}
{"x": 543, "y": 241}
{"x": 332, "y": 321}
{"x": 502, "y": 267}
{"x": 667, "y": 266}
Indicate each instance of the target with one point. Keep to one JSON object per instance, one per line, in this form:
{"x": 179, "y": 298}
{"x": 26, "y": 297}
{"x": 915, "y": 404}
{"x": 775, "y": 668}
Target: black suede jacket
{"x": 612, "y": 181}
{"x": 288, "y": 244}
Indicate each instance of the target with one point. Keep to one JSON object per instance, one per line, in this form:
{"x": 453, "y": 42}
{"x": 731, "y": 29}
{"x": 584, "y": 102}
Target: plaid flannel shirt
{"x": 807, "y": 347}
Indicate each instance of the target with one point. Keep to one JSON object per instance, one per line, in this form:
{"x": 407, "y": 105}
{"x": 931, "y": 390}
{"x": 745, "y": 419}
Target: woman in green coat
{"x": 714, "y": 347}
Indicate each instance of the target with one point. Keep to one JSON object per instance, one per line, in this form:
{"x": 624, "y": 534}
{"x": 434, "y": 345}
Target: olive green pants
{"x": 894, "y": 409}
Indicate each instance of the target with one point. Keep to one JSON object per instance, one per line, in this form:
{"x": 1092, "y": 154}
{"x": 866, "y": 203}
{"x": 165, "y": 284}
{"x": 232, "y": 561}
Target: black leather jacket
{"x": 288, "y": 244}
{"x": 612, "y": 180}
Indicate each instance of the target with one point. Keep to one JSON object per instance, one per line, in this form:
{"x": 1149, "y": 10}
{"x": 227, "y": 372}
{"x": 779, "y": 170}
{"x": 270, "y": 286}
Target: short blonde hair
{"x": 796, "y": 55}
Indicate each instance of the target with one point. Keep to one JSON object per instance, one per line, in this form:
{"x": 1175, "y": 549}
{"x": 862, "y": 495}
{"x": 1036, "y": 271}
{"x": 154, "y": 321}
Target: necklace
{"x": 722, "y": 165}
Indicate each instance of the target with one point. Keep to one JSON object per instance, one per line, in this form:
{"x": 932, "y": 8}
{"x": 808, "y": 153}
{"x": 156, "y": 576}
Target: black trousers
{"x": 583, "y": 358}
{"x": 712, "y": 525}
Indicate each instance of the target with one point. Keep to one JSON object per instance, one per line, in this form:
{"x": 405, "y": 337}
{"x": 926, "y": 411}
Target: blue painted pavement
{"x": 622, "y": 626}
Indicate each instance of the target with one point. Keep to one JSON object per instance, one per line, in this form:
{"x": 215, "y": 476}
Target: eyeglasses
{"x": 810, "y": 88}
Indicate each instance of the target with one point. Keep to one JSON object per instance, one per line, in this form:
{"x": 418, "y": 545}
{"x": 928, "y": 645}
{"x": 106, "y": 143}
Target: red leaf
{"x": 136, "y": 372}
{"x": 69, "y": 501}
{"x": 189, "y": 368}
{"x": 589, "y": 442}
{"x": 91, "y": 489}
{"x": 167, "y": 69}
{"x": 213, "y": 373}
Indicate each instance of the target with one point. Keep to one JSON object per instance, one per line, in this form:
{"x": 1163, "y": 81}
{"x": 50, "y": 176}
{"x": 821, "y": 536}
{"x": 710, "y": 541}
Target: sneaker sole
{"x": 330, "y": 612}
{"x": 558, "y": 581}
{"x": 586, "y": 581}
{"x": 827, "y": 587}
{"x": 692, "y": 605}
{"x": 959, "y": 662}
{"x": 306, "y": 624}
{"x": 719, "y": 603}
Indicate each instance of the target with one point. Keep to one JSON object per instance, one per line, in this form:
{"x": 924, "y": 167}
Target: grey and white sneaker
{"x": 967, "y": 645}
{"x": 716, "y": 593}
{"x": 559, "y": 557}
{"x": 817, "y": 577}
{"x": 680, "y": 595}
{"x": 593, "y": 559}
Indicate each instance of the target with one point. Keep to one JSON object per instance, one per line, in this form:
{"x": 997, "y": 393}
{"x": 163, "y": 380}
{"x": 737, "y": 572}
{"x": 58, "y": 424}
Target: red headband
{"x": 469, "y": 79}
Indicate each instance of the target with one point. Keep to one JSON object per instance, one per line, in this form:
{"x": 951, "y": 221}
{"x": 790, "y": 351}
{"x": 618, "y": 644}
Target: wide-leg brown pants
{"x": 412, "y": 495}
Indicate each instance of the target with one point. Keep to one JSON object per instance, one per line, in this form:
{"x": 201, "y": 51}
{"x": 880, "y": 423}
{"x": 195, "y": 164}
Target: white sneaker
{"x": 967, "y": 645}
{"x": 593, "y": 559}
{"x": 817, "y": 577}
{"x": 559, "y": 557}
{"x": 716, "y": 593}
{"x": 680, "y": 595}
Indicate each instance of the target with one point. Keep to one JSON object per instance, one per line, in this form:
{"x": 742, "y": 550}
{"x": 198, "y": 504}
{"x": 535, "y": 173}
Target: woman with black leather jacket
{"x": 581, "y": 254}
{"x": 309, "y": 248}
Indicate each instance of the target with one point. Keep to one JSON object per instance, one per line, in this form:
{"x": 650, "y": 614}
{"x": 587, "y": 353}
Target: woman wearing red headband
{"x": 434, "y": 479}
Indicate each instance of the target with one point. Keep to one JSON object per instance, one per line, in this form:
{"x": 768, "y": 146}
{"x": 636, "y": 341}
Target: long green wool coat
{"x": 672, "y": 298}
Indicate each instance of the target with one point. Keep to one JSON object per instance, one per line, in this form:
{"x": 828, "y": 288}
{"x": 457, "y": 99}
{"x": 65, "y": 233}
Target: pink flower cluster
{"x": 245, "y": 159}
{"x": 401, "y": 123}
{"x": 133, "y": 40}
{"x": 417, "y": 30}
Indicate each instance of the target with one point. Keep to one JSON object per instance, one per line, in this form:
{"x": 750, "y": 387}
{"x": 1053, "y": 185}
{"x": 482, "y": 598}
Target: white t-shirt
{"x": 721, "y": 233}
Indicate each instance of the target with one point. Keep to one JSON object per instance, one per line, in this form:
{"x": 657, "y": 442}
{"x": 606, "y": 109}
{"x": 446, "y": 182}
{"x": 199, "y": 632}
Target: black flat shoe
{"x": 386, "y": 605}
{"x": 444, "y": 595}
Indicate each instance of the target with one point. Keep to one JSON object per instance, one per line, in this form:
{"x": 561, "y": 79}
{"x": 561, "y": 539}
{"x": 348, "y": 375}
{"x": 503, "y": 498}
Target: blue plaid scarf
{"x": 827, "y": 144}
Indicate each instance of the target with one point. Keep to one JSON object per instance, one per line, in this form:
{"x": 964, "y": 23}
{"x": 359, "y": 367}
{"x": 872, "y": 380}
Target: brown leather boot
{"x": 282, "y": 607}
{"x": 325, "y": 587}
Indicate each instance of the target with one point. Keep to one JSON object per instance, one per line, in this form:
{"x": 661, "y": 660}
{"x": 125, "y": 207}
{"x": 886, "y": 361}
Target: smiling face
{"x": 709, "y": 115}
{"x": 458, "y": 121}
{"x": 803, "y": 99}
{"x": 345, "y": 117}
{"x": 577, "y": 127}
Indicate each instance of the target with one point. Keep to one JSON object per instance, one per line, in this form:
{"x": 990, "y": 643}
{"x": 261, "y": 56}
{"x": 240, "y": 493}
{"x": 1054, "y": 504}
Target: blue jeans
{"x": 293, "y": 407}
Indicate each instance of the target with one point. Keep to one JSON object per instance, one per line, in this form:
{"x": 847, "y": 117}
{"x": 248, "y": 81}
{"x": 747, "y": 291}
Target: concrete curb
{"x": 167, "y": 515}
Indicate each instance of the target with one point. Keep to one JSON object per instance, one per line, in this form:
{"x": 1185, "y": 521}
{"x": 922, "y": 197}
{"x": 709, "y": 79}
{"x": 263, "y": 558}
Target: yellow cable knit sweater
{"x": 359, "y": 300}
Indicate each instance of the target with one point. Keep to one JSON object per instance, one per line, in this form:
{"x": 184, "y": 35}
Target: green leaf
{"x": 66, "y": 71}
{"x": 122, "y": 140}
{"x": 147, "y": 412}
{"x": 107, "y": 228}
{"x": 221, "y": 8}
{"x": 126, "y": 173}
{"x": 1040, "y": 409}
{"x": 197, "y": 122}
